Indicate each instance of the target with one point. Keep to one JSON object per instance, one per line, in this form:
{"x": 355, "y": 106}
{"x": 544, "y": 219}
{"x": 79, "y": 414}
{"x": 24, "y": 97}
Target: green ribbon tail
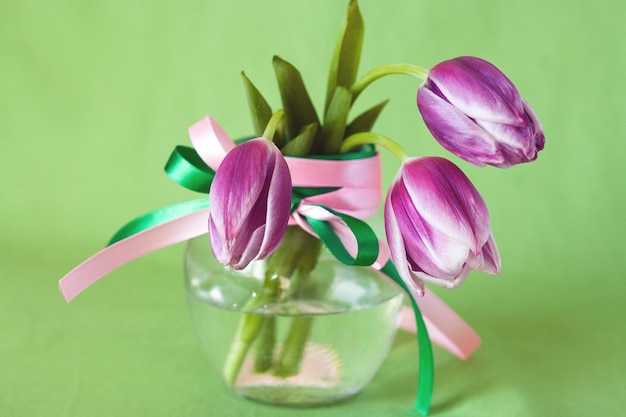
{"x": 426, "y": 376}
{"x": 157, "y": 217}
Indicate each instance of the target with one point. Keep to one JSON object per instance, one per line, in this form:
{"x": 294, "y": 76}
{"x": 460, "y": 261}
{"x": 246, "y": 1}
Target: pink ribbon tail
{"x": 124, "y": 251}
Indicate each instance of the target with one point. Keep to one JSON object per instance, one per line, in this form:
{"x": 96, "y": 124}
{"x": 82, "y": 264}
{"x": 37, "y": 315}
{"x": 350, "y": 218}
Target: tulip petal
{"x": 218, "y": 247}
{"x": 236, "y": 188}
{"x": 246, "y": 249}
{"x": 396, "y": 247}
{"x": 447, "y": 200}
{"x": 449, "y": 283}
{"x": 491, "y": 257}
{"x": 431, "y": 252}
{"x": 456, "y": 132}
{"x": 537, "y": 128}
{"x": 512, "y": 137}
{"x": 478, "y": 89}
{"x": 515, "y": 144}
{"x": 277, "y": 216}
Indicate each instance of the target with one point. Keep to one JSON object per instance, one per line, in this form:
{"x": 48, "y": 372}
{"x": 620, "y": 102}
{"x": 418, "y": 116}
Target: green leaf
{"x": 280, "y": 136}
{"x": 365, "y": 121}
{"x": 303, "y": 143}
{"x": 345, "y": 63}
{"x": 259, "y": 109}
{"x": 335, "y": 121}
{"x": 297, "y": 104}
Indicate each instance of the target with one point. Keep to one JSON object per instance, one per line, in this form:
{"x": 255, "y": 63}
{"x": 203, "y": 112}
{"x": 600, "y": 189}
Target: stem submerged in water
{"x": 246, "y": 333}
{"x": 295, "y": 258}
{"x": 293, "y": 347}
{"x": 249, "y": 327}
{"x": 264, "y": 355}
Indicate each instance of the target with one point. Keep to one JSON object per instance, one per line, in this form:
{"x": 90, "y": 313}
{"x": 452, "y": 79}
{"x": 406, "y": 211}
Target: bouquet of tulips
{"x": 436, "y": 222}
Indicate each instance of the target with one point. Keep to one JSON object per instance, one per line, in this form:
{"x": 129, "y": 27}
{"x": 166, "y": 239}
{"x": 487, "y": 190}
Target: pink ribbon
{"x": 359, "y": 196}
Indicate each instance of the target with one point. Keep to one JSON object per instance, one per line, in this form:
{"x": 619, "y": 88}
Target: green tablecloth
{"x": 94, "y": 95}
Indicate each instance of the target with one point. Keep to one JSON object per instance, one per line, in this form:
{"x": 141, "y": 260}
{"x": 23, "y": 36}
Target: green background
{"x": 94, "y": 95}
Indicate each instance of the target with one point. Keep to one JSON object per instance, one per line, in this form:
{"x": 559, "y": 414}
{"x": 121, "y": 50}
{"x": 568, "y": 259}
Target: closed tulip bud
{"x": 474, "y": 111}
{"x": 437, "y": 225}
{"x": 250, "y": 201}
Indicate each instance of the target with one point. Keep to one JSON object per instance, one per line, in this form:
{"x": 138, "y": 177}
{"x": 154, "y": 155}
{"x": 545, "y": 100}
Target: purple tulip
{"x": 250, "y": 202}
{"x": 437, "y": 225}
{"x": 475, "y": 112}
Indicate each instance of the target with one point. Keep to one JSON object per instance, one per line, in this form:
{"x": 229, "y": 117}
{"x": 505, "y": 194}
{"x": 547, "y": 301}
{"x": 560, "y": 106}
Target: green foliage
{"x": 303, "y": 143}
{"x": 259, "y": 109}
{"x": 365, "y": 121}
{"x": 345, "y": 63}
{"x": 301, "y": 131}
{"x": 335, "y": 121}
{"x": 297, "y": 104}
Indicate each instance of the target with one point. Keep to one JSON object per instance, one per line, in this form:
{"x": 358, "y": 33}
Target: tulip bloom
{"x": 474, "y": 111}
{"x": 250, "y": 202}
{"x": 437, "y": 225}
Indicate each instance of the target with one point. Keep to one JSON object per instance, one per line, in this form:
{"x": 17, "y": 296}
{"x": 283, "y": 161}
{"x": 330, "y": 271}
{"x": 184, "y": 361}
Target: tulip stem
{"x": 383, "y": 70}
{"x": 272, "y": 125}
{"x": 264, "y": 355}
{"x": 249, "y": 327}
{"x": 293, "y": 347}
{"x": 364, "y": 138}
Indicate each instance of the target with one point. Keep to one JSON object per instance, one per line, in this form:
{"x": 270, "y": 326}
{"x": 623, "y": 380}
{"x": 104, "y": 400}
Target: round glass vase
{"x": 314, "y": 346}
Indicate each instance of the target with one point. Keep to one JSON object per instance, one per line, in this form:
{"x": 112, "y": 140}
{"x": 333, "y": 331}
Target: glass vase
{"x": 314, "y": 346}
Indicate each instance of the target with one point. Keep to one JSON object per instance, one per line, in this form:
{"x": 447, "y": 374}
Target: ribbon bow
{"x": 331, "y": 195}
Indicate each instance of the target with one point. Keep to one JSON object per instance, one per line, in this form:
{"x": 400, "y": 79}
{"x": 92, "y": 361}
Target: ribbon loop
{"x": 366, "y": 251}
{"x": 186, "y": 168}
{"x": 300, "y": 193}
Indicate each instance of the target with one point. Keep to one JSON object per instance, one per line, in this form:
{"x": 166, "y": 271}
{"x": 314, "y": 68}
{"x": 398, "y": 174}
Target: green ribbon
{"x": 186, "y": 168}
{"x": 300, "y": 193}
{"x": 367, "y": 241}
{"x": 426, "y": 375}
